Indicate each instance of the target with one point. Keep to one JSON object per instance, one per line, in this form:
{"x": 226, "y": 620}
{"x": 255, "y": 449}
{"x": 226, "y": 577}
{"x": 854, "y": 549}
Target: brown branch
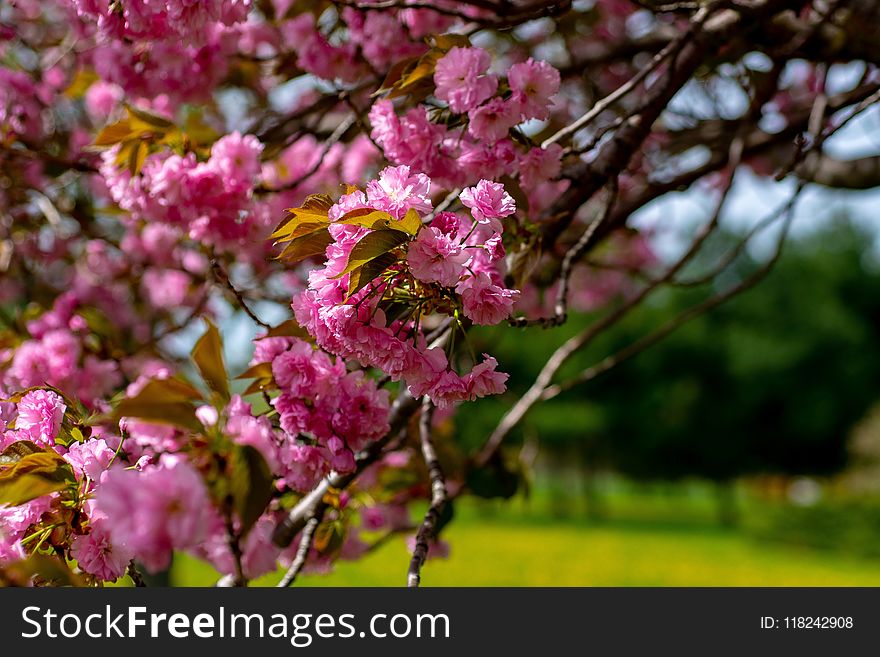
{"x": 680, "y": 320}
{"x": 574, "y": 344}
{"x": 428, "y": 529}
{"x": 331, "y": 141}
{"x": 302, "y": 551}
{"x": 573, "y": 254}
{"x": 313, "y": 503}
{"x": 136, "y": 577}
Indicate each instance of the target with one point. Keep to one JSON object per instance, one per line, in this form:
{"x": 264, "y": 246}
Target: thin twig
{"x": 682, "y": 318}
{"x": 136, "y": 577}
{"x": 223, "y": 278}
{"x": 574, "y": 344}
{"x": 329, "y": 143}
{"x": 669, "y": 49}
{"x": 577, "y": 250}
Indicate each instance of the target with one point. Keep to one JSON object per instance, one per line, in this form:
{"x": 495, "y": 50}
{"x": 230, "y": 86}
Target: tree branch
{"x": 427, "y": 530}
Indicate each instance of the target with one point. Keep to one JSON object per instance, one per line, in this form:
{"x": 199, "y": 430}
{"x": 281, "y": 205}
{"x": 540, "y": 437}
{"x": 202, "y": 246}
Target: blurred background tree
{"x": 771, "y": 383}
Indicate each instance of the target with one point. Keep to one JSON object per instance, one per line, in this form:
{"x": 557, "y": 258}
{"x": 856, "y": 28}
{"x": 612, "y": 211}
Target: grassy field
{"x": 510, "y": 548}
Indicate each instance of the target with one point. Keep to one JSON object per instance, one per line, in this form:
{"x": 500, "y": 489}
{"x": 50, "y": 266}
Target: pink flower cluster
{"x": 37, "y": 416}
{"x": 184, "y": 20}
{"x": 210, "y": 200}
{"x": 327, "y": 413}
{"x": 21, "y": 104}
{"x": 483, "y": 147}
{"x": 461, "y": 79}
{"x": 168, "y": 72}
{"x": 56, "y": 358}
{"x": 452, "y": 258}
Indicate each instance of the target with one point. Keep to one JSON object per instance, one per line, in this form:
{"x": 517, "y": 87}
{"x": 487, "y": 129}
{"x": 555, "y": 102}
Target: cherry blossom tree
{"x": 390, "y": 174}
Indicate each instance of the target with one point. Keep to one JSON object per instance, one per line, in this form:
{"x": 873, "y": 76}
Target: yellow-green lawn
{"x": 506, "y": 551}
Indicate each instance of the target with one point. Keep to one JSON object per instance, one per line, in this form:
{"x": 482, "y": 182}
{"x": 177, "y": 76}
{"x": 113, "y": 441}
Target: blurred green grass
{"x": 669, "y": 543}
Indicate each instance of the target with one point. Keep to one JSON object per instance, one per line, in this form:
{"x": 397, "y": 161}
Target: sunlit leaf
{"x": 329, "y": 537}
{"x": 114, "y": 133}
{"x": 46, "y": 569}
{"x": 262, "y": 376}
{"x": 371, "y": 246}
{"x": 207, "y": 354}
{"x": 289, "y": 328}
{"x": 364, "y": 275}
{"x": 419, "y": 80}
{"x": 18, "y": 450}
{"x": 447, "y": 42}
{"x": 522, "y": 262}
{"x": 251, "y": 484}
{"x": 32, "y": 475}
{"x": 306, "y": 246}
{"x": 81, "y": 82}
{"x": 258, "y": 371}
{"x": 379, "y": 220}
{"x": 142, "y": 118}
{"x": 163, "y": 401}
{"x": 311, "y": 216}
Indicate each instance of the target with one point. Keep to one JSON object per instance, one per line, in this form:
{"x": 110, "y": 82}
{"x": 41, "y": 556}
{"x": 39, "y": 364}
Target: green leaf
{"x": 47, "y": 570}
{"x": 366, "y": 274}
{"x": 114, "y": 133}
{"x": 251, "y": 484}
{"x": 17, "y": 451}
{"x": 371, "y": 246}
{"x": 329, "y": 537}
{"x": 311, "y": 216}
{"x": 378, "y": 220}
{"x": 289, "y": 328}
{"x": 262, "y": 375}
{"x": 32, "y": 474}
{"x": 150, "y": 120}
{"x": 207, "y": 354}
{"x": 163, "y": 401}
{"x": 307, "y": 246}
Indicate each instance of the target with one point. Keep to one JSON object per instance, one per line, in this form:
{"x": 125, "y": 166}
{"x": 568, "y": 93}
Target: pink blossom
{"x": 448, "y": 389}
{"x": 40, "y": 413}
{"x": 346, "y": 203}
{"x": 435, "y": 257}
{"x": 396, "y": 191}
{"x": 533, "y": 83}
{"x": 245, "y": 429}
{"x": 165, "y": 288}
{"x": 539, "y": 165}
{"x": 492, "y": 121}
{"x": 237, "y": 157}
{"x": 90, "y": 458}
{"x": 483, "y": 380}
{"x": 488, "y": 202}
{"x": 306, "y": 465}
{"x": 155, "y": 511}
{"x": 485, "y": 303}
{"x": 460, "y": 80}
{"x": 97, "y": 555}
{"x": 102, "y": 98}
